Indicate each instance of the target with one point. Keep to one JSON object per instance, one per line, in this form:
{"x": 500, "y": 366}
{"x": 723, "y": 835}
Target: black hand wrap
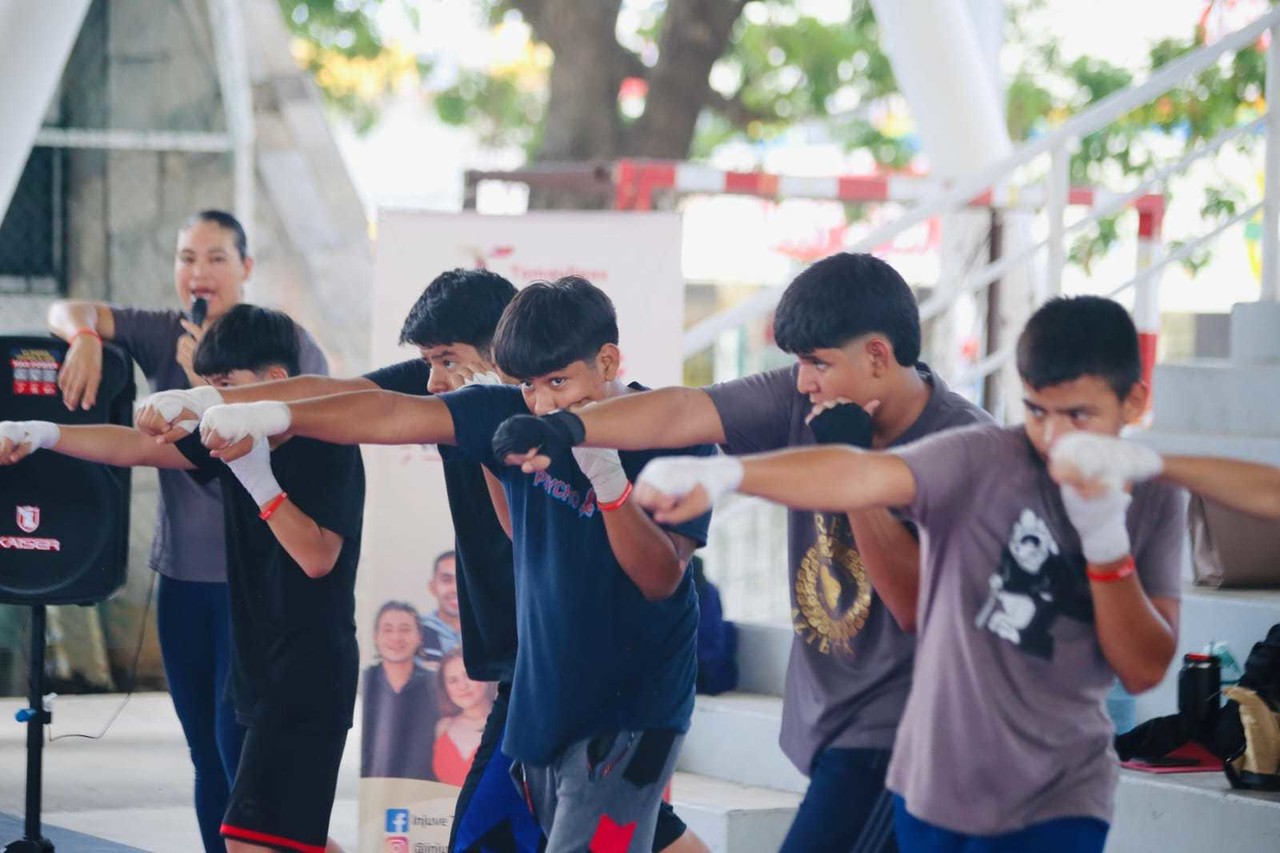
{"x": 847, "y": 423}
{"x": 552, "y": 435}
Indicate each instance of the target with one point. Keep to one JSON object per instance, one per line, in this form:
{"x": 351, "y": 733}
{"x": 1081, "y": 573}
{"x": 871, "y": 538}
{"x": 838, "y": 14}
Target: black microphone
{"x": 199, "y": 307}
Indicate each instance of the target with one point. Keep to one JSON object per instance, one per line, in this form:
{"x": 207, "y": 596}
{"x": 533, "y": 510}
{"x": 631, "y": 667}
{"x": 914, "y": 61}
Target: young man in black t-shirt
{"x": 452, "y": 324}
{"x": 293, "y": 512}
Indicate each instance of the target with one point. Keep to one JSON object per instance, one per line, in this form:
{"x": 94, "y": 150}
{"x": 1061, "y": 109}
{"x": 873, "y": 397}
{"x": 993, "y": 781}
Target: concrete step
{"x": 734, "y": 737}
{"x": 1250, "y": 448}
{"x": 1217, "y": 397}
{"x": 1191, "y": 813}
{"x": 763, "y": 652}
{"x": 1254, "y": 333}
{"x": 1239, "y": 617}
{"x": 732, "y": 818}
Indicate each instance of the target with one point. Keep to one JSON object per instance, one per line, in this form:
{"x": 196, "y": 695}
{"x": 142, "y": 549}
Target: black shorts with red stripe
{"x": 284, "y": 789}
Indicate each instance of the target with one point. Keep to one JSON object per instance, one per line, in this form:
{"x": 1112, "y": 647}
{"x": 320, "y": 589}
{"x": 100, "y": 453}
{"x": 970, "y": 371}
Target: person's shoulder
{"x": 149, "y": 319}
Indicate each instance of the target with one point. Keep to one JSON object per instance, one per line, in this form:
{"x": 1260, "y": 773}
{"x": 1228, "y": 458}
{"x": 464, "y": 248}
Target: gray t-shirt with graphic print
{"x": 189, "y": 542}
{"x": 850, "y": 666}
{"x": 1008, "y": 704}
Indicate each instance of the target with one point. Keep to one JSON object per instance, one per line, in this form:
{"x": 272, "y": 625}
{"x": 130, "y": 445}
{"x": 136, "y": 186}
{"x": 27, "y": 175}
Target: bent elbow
{"x": 1142, "y": 681}
{"x": 317, "y": 568}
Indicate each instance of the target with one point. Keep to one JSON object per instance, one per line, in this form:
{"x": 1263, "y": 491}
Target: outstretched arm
{"x": 169, "y": 415}
{"x": 365, "y": 417}
{"x": 831, "y": 479}
{"x": 109, "y": 445}
{"x": 1244, "y": 486}
{"x": 665, "y": 418}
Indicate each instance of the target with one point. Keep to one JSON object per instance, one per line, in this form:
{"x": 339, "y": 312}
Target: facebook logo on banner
{"x": 397, "y": 820}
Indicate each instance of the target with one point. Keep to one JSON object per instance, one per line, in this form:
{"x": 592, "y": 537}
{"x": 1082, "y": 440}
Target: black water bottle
{"x": 1199, "y": 689}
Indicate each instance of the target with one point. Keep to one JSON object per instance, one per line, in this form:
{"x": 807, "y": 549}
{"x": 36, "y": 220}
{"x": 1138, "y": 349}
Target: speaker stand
{"x": 36, "y": 717}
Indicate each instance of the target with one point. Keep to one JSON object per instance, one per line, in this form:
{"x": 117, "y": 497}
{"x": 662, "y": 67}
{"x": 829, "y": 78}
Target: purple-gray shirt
{"x": 850, "y": 667}
{"x": 1006, "y": 723}
{"x": 189, "y": 541}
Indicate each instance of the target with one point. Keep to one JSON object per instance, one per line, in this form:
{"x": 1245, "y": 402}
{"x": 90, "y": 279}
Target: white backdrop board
{"x": 633, "y": 257}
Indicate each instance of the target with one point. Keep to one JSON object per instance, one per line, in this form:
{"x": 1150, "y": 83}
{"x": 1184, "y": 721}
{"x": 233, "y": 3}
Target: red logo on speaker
{"x": 28, "y": 518}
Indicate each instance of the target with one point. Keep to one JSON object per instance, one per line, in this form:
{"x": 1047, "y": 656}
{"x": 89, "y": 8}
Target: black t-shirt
{"x": 399, "y": 728}
{"x": 296, "y": 660}
{"x": 486, "y": 581}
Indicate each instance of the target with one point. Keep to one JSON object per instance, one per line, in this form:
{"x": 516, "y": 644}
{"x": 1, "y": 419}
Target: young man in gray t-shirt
{"x": 854, "y": 326}
{"x": 1033, "y": 596}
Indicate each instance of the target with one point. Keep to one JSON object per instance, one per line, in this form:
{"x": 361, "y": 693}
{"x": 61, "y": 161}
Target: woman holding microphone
{"x": 211, "y": 265}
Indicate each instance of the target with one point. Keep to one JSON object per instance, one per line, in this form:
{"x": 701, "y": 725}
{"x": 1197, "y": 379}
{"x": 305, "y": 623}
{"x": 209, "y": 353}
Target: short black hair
{"x": 248, "y": 337}
{"x": 226, "y": 221}
{"x": 440, "y": 558}
{"x": 1076, "y": 336}
{"x": 396, "y": 606}
{"x": 459, "y": 306}
{"x": 550, "y": 325}
{"x": 844, "y": 297}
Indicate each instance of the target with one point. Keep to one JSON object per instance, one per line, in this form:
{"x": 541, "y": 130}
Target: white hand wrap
{"x": 604, "y": 469}
{"x": 1107, "y": 458}
{"x": 486, "y": 378}
{"x": 240, "y": 420}
{"x": 41, "y": 435}
{"x": 678, "y": 475}
{"x": 253, "y": 470}
{"x": 170, "y": 404}
{"x": 1100, "y": 521}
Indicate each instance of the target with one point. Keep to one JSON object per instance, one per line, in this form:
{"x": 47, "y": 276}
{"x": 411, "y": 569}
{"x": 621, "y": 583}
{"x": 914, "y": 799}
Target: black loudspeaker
{"x": 64, "y": 523}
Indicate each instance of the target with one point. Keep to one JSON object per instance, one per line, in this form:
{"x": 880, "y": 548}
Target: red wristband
{"x": 1119, "y": 573}
{"x": 272, "y": 505}
{"x": 610, "y": 507}
{"x": 85, "y": 331}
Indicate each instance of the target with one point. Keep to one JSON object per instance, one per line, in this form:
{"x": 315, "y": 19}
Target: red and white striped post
{"x": 1146, "y": 300}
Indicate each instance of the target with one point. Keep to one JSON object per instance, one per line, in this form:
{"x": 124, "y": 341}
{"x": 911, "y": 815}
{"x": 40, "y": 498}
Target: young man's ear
{"x": 880, "y": 354}
{"x": 1135, "y": 402}
{"x": 609, "y": 361}
{"x": 275, "y": 373}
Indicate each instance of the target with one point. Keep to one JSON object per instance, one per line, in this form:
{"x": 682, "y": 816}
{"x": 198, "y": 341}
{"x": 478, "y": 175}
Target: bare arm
{"x": 653, "y": 558}
{"x": 152, "y": 422}
{"x": 66, "y": 317}
{"x": 1244, "y": 486}
{"x": 109, "y": 445}
{"x": 891, "y": 556}
{"x": 314, "y": 548}
{"x": 498, "y": 497}
{"x": 81, "y": 372}
{"x": 665, "y": 418}
{"x": 1138, "y": 635}
{"x": 831, "y": 479}
{"x": 373, "y": 417}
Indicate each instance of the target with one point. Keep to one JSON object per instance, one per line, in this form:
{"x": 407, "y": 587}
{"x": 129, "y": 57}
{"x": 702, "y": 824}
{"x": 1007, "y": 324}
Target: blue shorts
{"x": 1064, "y": 835}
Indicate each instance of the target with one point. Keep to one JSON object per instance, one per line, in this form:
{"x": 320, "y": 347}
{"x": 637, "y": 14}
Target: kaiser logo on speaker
{"x": 28, "y": 518}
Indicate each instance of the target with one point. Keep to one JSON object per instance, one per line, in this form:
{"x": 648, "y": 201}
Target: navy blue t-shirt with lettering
{"x": 486, "y": 585}
{"x": 595, "y": 656}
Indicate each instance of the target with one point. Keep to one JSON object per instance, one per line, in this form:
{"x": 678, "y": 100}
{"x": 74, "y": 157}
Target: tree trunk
{"x": 695, "y": 34}
{"x": 582, "y": 120}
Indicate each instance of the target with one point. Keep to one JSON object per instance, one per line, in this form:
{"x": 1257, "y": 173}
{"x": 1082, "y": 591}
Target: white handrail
{"x": 981, "y": 277}
{"x": 963, "y": 191}
{"x": 998, "y": 359}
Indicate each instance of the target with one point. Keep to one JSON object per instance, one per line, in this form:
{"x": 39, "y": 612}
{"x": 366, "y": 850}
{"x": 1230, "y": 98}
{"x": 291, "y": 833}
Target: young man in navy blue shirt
{"x": 636, "y": 713}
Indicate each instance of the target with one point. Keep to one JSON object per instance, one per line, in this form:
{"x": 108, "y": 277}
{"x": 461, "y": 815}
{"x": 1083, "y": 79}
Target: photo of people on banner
{"x": 423, "y": 716}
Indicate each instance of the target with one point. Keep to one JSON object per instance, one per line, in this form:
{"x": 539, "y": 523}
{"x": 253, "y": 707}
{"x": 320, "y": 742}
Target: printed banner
{"x": 420, "y": 724}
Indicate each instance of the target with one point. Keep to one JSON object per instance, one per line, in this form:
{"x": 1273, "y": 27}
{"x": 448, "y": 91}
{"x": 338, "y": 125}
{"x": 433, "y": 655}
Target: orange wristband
{"x": 272, "y": 505}
{"x": 610, "y": 507}
{"x": 85, "y": 331}
{"x": 1119, "y": 573}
